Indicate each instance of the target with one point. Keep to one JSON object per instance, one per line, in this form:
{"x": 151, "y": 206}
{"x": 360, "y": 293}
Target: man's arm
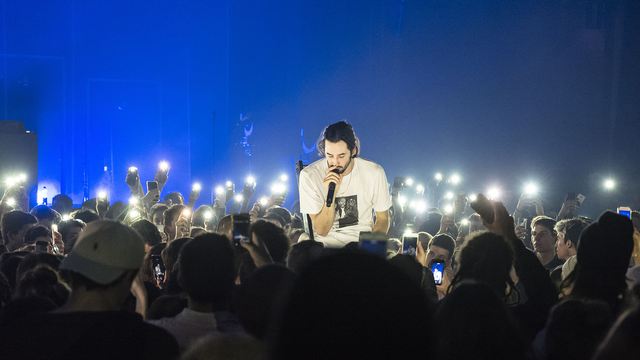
{"x": 323, "y": 221}
{"x": 382, "y": 222}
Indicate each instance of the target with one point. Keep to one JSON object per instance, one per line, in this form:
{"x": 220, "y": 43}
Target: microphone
{"x": 332, "y": 189}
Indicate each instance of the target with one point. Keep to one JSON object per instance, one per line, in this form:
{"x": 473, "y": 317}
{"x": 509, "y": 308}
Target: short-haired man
{"x": 46, "y": 216}
{"x": 14, "y": 226}
{"x": 360, "y": 188}
{"x": 543, "y": 238}
{"x": 568, "y": 234}
{"x": 91, "y": 324}
{"x": 207, "y": 275}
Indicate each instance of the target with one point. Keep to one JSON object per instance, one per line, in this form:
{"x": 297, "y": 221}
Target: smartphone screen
{"x": 158, "y": 267}
{"x": 241, "y": 223}
{"x": 437, "y": 268}
{"x": 41, "y": 246}
{"x": 152, "y": 185}
{"x": 410, "y": 244}
{"x": 625, "y": 211}
{"x": 373, "y": 243}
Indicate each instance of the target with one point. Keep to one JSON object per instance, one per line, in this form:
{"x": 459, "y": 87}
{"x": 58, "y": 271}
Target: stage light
{"x": 449, "y": 195}
{"x": 609, "y": 184}
{"x": 284, "y": 177}
{"x": 455, "y": 179}
{"x": 164, "y": 166}
{"x": 196, "y": 187}
{"x": 409, "y": 182}
{"x": 238, "y": 198}
{"x": 438, "y": 176}
{"x": 264, "y": 201}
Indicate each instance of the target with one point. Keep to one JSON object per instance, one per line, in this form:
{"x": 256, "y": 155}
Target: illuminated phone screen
{"x": 438, "y": 272}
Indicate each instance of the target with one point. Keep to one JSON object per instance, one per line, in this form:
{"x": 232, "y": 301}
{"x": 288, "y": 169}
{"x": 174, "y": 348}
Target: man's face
{"x": 158, "y": 218}
{"x": 562, "y": 248}
{"x": 542, "y": 238}
{"x": 337, "y": 154}
{"x": 436, "y": 252}
{"x": 73, "y": 234}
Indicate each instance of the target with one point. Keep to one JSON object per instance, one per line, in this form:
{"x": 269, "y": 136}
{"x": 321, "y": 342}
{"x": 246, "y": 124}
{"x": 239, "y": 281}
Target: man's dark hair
{"x": 545, "y": 221}
{"x": 86, "y": 216}
{"x": 65, "y": 226}
{"x": 174, "y": 198}
{"x": 225, "y": 225}
{"x": 148, "y": 231}
{"x": 199, "y": 215}
{"x": 432, "y": 225}
{"x": 35, "y": 232}
{"x": 275, "y": 217}
{"x": 444, "y": 241}
{"x": 62, "y": 202}
{"x": 173, "y": 212}
{"x": 157, "y": 208}
{"x": 282, "y": 212}
{"x": 43, "y": 212}
{"x": 13, "y": 221}
{"x": 303, "y": 253}
{"x": 273, "y": 238}
{"x": 335, "y": 133}
{"x": 571, "y": 229}
{"x": 206, "y": 268}
{"x": 33, "y": 260}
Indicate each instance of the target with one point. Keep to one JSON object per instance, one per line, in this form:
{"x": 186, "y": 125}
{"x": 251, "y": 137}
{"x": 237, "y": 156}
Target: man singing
{"x": 360, "y": 188}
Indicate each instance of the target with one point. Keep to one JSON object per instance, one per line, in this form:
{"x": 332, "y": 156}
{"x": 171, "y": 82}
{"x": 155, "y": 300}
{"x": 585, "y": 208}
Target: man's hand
{"x": 102, "y": 206}
{"x": 398, "y": 185}
{"x": 521, "y": 232}
{"x": 524, "y": 201}
{"x": 218, "y": 209}
{"x": 57, "y": 240}
{"x": 332, "y": 177}
{"x": 569, "y": 207}
{"x": 258, "y": 251}
{"x": 460, "y": 204}
{"x": 194, "y": 195}
{"x": 446, "y": 223}
{"x": 274, "y": 200}
{"x": 182, "y": 227}
{"x": 161, "y": 177}
{"x": 152, "y": 197}
{"x": 503, "y": 223}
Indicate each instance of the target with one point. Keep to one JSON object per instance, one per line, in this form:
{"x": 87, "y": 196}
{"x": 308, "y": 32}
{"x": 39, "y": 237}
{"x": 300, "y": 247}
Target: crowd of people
{"x": 158, "y": 278}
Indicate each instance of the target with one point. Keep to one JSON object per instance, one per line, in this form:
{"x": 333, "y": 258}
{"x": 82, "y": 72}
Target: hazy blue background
{"x": 501, "y": 92}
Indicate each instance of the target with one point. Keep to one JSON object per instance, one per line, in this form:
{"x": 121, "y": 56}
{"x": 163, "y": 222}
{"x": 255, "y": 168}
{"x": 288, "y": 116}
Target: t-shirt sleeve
{"x": 311, "y": 200}
{"x": 382, "y": 199}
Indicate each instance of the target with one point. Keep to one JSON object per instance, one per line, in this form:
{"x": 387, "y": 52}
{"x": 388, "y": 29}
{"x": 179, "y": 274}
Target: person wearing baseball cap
{"x": 91, "y": 324}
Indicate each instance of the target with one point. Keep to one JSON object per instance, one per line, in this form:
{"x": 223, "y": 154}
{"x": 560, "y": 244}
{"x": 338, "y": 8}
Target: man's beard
{"x": 346, "y": 166}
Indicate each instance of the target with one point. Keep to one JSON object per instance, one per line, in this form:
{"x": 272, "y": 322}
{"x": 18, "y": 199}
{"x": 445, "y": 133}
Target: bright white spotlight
{"x": 464, "y": 222}
{"x": 219, "y": 190}
{"x": 531, "y": 189}
{"x": 402, "y": 200}
{"x": 134, "y": 214}
{"x": 11, "y": 201}
{"x": 409, "y": 182}
{"x": 284, "y": 177}
{"x": 66, "y": 217}
{"x": 133, "y": 201}
{"x": 438, "y": 176}
{"x": 186, "y": 213}
{"x": 473, "y": 197}
{"x": 197, "y": 187}
{"x": 448, "y": 209}
{"x": 11, "y": 181}
{"x": 102, "y": 194}
{"x": 133, "y": 169}
{"x": 251, "y": 180}
{"x": 420, "y": 188}
{"x": 23, "y": 177}
{"x": 455, "y": 179}
{"x": 208, "y": 215}
{"x": 609, "y": 184}
{"x": 238, "y": 198}
{"x": 278, "y": 188}
{"x": 449, "y": 195}
{"x": 163, "y": 165}
{"x": 421, "y": 206}
{"x": 264, "y": 201}
{"x": 229, "y": 183}
{"x": 493, "y": 193}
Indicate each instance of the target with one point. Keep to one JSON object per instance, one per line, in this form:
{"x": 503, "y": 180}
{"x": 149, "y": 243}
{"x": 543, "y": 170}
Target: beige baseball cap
{"x": 104, "y": 251}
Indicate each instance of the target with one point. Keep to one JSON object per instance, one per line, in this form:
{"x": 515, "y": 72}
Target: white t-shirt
{"x": 362, "y": 191}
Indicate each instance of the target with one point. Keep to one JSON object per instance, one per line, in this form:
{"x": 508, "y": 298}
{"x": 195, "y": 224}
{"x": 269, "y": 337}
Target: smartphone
{"x": 484, "y": 208}
{"x": 373, "y": 243}
{"x": 410, "y": 244}
{"x": 626, "y": 211}
{"x": 152, "y": 185}
{"x": 158, "y": 267}
{"x": 41, "y": 246}
{"x": 437, "y": 269}
{"x": 241, "y": 223}
{"x": 132, "y": 174}
{"x": 54, "y": 246}
{"x": 580, "y": 198}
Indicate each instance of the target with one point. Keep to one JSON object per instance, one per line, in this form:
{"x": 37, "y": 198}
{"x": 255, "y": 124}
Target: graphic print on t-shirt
{"x": 347, "y": 210}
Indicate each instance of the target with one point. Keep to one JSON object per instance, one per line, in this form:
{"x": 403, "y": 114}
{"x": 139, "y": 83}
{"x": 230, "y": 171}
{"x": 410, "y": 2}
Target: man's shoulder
{"x": 368, "y": 165}
{"x": 316, "y": 166}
